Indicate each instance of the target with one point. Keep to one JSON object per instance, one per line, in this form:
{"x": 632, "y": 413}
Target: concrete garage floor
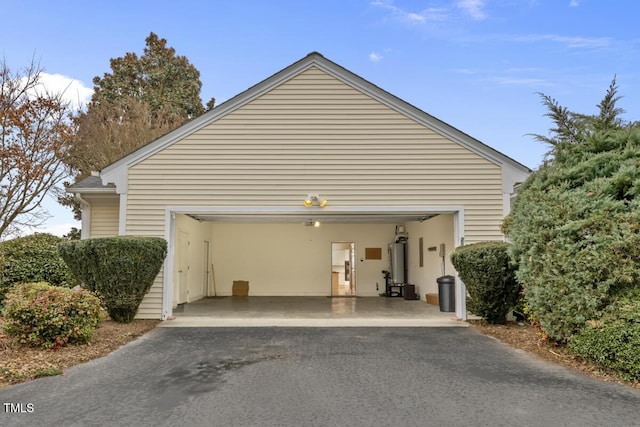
{"x": 310, "y": 312}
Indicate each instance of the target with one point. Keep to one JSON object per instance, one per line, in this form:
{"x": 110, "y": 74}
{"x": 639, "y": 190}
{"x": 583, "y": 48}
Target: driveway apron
{"x": 318, "y": 377}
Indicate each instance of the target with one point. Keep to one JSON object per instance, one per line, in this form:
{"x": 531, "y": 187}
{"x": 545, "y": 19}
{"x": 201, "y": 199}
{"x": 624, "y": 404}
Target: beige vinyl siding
{"x": 151, "y": 306}
{"x": 314, "y": 133}
{"x": 104, "y": 221}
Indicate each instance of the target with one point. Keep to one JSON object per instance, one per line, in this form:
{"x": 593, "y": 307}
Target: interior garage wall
{"x": 434, "y": 232}
{"x": 292, "y": 259}
{"x": 197, "y": 233}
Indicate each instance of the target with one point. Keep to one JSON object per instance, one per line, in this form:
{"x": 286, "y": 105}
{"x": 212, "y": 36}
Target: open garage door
{"x": 284, "y": 254}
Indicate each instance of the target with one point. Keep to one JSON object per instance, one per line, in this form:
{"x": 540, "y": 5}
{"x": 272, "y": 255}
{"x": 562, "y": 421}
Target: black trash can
{"x": 447, "y": 293}
{"x": 410, "y": 292}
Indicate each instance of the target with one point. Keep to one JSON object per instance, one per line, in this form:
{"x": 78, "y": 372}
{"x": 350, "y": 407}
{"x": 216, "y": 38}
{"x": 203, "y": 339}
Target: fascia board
{"x": 110, "y": 190}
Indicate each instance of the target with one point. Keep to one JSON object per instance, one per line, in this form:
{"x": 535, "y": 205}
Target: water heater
{"x": 398, "y": 264}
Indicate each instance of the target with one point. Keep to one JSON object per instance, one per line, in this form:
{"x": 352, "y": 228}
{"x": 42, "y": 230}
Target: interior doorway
{"x": 343, "y": 269}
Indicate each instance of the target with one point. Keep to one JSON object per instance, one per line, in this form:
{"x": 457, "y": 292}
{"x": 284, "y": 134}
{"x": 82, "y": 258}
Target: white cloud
{"x": 574, "y": 3}
{"x": 511, "y": 81}
{"x": 473, "y": 8}
{"x": 572, "y": 42}
{"x": 523, "y": 70}
{"x": 430, "y": 14}
{"x": 468, "y": 71}
{"x": 72, "y": 90}
{"x": 375, "y": 57}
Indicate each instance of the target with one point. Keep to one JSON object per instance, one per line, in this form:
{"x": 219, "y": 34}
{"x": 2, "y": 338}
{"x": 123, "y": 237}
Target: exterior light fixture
{"x": 312, "y": 223}
{"x": 314, "y": 199}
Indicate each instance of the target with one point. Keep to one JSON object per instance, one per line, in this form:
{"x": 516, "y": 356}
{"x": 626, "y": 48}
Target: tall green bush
{"x": 39, "y": 314}
{"x": 575, "y": 225}
{"x": 32, "y": 258}
{"x": 120, "y": 270}
{"x": 487, "y": 271}
{"x": 613, "y": 340}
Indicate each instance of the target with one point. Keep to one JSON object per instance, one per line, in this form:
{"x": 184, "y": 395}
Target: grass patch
{"x": 47, "y": 372}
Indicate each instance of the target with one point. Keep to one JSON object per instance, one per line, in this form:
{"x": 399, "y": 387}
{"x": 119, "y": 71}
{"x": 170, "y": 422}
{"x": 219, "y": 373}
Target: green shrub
{"x": 32, "y": 258}
{"x": 489, "y": 276}
{"x": 120, "y": 270}
{"x": 576, "y": 235}
{"x": 39, "y": 314}
{"x": 575, "y": 225}
{"x": 613, "y": 340}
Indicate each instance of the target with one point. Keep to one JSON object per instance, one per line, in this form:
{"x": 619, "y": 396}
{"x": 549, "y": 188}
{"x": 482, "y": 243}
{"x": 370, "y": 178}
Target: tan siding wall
{"x": 104, "y": 221}
{"x": 151, "y": 306}
{"x": 314, "y": 134}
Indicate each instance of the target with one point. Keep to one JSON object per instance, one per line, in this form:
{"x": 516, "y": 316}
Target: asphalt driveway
{"x": 318, "y": 377}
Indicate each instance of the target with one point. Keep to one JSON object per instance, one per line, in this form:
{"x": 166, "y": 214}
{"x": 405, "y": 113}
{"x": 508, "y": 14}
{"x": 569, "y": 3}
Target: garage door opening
{"x": 281, "y": 257}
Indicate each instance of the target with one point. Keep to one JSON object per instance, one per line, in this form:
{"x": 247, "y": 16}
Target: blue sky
{"x": 475, "y": 64}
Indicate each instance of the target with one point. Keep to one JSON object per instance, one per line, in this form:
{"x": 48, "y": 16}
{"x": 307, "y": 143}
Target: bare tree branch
{"x": 35, "y": 132}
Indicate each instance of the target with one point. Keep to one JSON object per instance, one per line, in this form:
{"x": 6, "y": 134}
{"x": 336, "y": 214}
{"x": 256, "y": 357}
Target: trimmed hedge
{"x": 489, "y": 276}
{"x": 120, "y": 270}
{"x": 613, "y": 340}
{"x": 39, "y": 314}
{"x": 32, "y": 258}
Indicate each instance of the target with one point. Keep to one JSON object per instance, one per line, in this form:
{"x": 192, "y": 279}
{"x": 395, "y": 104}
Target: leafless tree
{"x": 35, "y": 132}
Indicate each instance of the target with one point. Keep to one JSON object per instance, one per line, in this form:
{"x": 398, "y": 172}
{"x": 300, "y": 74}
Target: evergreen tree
{"x": 158, "y": 78}
{"x": 575, "y": 226}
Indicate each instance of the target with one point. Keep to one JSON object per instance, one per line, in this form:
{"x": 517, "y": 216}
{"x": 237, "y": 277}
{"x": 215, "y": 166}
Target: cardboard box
{"x": 432, "y": 299}
{"x": 240, "y": 288}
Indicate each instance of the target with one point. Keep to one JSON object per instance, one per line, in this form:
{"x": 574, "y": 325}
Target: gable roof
{"x": 115, "y": 172}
